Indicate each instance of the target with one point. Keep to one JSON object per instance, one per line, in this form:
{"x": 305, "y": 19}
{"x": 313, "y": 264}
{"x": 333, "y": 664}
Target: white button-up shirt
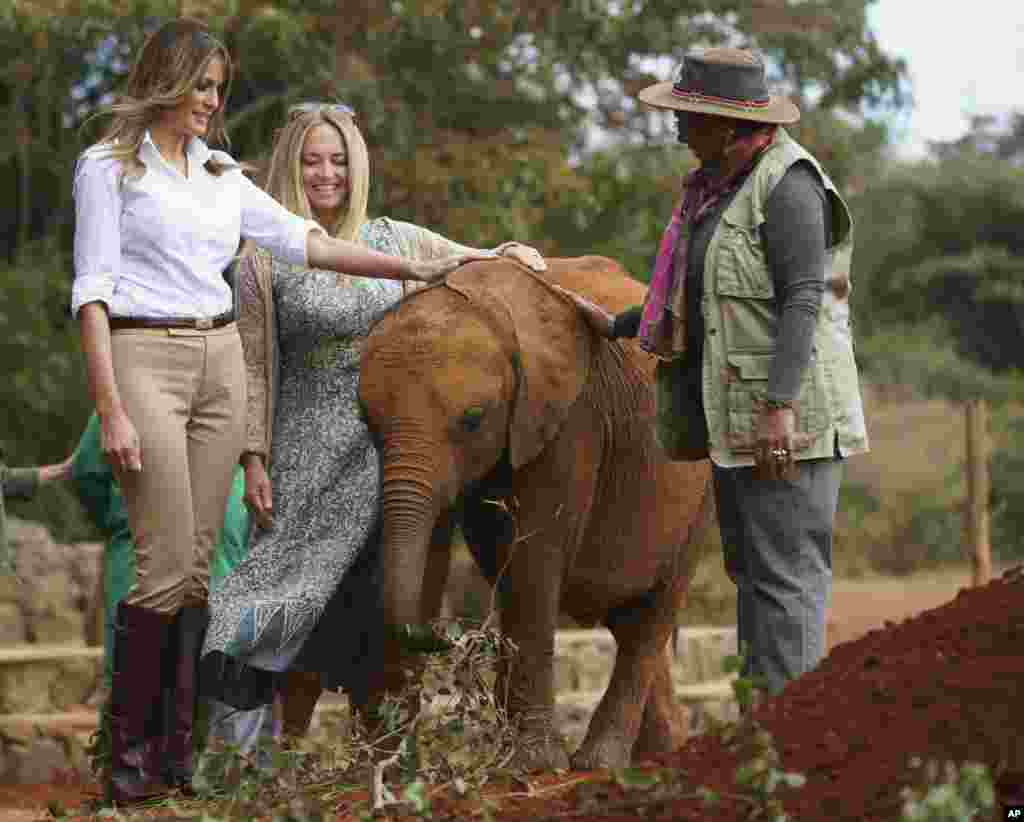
{"x": 156, "y": 246}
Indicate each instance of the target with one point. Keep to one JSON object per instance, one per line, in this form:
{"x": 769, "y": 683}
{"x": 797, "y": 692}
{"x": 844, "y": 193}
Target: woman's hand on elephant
{"x": 773, "y": 450}
{"x": 258, "y": 498}
{"x": 597, "y": 318}
{"x": 431, "y": 271}
{"x": 525, "y": 254}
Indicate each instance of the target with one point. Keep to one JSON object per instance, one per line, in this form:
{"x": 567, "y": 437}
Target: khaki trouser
{"x": 184, "y": 391}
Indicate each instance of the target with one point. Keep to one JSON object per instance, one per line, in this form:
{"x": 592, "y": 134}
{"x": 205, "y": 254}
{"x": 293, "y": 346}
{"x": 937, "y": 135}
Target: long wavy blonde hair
{"x": 170, "y": 64}
{"x": 284, "y": 171}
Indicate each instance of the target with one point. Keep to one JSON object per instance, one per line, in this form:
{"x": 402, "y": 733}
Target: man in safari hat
{"x": 748, "y": 314}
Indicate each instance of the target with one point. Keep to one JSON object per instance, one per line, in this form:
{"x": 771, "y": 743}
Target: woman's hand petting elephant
{"x": 525, "y": 254}
{"x": 432, "y": 271}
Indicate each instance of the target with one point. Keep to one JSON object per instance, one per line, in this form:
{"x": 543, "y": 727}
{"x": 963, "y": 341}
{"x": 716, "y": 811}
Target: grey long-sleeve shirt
{"x": 795, "y": 234}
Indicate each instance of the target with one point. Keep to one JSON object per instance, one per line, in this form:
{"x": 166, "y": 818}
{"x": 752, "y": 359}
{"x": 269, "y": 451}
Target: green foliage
{"x": 940, "y": 307}
{"x": 759, "y": 774}
{"x": 946, "y": 255}
{"x": 622, "y": 212}
{"x": 98, "y": 750}
{"x": 948, "y": 793}
{"x": 44, "y": 398}
{"x": 1007, "y": 496}
{"x": 936, "y": 532}
{"x": 475, "y": 112}
{"x": 924, "y": 356}
{"x": 988, "y": 136}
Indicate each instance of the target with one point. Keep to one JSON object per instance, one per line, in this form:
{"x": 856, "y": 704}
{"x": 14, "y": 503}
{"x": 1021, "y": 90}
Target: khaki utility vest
{"x": 741, "y": 323}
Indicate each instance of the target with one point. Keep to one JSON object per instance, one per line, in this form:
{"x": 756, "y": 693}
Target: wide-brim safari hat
{"x": 723, "y": 81}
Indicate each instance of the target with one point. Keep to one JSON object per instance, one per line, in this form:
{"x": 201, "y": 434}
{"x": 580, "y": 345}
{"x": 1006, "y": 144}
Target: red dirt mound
{"x": 947, "y": 684}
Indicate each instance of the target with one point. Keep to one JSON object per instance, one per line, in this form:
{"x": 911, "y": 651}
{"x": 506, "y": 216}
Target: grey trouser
{"x": 777, "y": 539}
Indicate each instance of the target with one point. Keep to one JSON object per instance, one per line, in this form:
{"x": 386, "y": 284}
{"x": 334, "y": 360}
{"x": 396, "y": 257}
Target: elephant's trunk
{"x": 410, "y": 505}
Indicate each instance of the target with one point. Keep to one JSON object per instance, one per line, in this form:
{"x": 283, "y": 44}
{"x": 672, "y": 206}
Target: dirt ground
{"x": 858, "y": 607}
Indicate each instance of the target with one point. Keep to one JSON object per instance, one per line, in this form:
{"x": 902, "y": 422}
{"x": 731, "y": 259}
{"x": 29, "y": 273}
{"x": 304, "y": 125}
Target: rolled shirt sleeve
{"x": 273, "y": 227}
{"x": 97, "y": 249}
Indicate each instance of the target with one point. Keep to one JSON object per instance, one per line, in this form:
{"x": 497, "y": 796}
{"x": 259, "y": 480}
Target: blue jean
{"x": 777, "y": 540}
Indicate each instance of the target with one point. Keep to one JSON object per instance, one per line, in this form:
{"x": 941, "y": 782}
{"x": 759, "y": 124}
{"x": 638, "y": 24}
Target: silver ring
{"x": 780, "y": 453}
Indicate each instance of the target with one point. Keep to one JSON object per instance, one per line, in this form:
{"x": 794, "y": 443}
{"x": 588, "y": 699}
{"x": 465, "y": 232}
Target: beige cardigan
{"x": 258, "y": 325}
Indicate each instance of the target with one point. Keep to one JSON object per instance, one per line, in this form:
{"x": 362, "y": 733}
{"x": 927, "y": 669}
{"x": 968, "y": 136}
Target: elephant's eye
{"x": 471, "y": 418}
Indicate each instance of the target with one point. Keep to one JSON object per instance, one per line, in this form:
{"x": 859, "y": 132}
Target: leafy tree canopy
{"x": 476, "y": 111}
{"x": 947, "y": 255}
{"x": 486, "y": 120}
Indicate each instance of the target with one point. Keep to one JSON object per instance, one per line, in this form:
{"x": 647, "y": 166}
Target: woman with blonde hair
{"x": 159, "y": 216}
{"x": 297, "y": 615}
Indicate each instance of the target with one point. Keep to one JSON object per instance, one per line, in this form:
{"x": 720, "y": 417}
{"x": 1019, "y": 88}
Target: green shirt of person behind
{"x": 93, "y": 482}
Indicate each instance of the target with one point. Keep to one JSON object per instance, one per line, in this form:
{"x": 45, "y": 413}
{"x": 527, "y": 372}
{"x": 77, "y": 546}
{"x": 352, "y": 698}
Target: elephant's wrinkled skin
{"x": 495, "y": 404}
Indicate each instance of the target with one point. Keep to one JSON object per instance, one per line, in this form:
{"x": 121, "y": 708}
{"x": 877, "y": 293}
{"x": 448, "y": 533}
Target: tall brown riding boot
{"x": 180, "y": 688}
{"x": 139, "y": 639}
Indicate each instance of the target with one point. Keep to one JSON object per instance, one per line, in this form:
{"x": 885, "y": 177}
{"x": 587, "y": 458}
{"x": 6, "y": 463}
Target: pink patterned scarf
{"x": 662, "y": 324}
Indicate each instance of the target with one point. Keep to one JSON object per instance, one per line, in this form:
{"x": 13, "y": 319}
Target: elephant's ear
{"x": 552, "y": 347}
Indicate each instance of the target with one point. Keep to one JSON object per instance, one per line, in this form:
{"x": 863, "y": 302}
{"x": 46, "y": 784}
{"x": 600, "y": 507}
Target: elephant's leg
{"x": 665, "y": 723}
{"x": 529, "y": 582}
{"x": 641, "y": 630}
{"x": 529, "y": 612}
{"x": 553, "y": 498}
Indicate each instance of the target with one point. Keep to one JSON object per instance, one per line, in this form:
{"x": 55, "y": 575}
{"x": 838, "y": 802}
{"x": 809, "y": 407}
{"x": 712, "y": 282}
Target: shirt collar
{"x": 197, "y": 151}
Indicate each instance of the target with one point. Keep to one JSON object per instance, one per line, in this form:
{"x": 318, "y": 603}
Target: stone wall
{"x": 50, "y": 603}
{"x": 583, "y": 666}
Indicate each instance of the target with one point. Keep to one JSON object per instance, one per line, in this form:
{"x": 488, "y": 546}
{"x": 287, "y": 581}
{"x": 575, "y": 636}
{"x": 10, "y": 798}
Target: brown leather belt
{"x": 197, "y": 324}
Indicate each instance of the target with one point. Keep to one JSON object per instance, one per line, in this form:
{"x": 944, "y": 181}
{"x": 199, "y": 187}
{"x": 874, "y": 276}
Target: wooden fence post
{"x": 976, "y": 523}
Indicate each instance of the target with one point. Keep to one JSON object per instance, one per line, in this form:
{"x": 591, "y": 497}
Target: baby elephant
{"x": 496, "y": 406}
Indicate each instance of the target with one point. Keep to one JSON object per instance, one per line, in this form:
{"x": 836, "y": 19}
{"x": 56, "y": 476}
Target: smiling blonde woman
{"x": 297, "y": 615}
